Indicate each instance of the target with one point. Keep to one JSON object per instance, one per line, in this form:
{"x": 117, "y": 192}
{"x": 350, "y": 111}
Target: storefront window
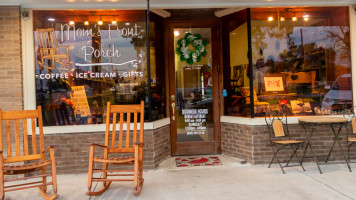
{"x": 301, "y": 60}
{"x": 85, "y": 59}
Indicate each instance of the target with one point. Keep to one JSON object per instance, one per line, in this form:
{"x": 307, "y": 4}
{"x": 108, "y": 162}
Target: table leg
{"x": 311, "y": 148}
{"x": 332, "y": 147}
{"x": 338, "y": 142}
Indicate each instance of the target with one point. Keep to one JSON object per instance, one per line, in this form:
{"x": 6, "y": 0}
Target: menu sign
{"x": 195, "y": 121}
{"x": 80, "y": 101}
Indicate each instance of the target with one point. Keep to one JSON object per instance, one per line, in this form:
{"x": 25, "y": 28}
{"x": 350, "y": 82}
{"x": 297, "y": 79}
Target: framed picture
{"x": 275, "y": 84}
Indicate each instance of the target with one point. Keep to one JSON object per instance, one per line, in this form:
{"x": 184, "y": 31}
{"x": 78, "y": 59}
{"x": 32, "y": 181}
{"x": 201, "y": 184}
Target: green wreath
{"x": 187, "y": 54}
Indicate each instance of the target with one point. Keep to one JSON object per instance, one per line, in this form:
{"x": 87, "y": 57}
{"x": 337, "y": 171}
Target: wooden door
{"x": 193, "y": 87}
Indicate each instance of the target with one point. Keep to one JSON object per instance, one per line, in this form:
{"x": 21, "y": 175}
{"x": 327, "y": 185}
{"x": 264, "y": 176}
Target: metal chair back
{"x": 277, "y": 124}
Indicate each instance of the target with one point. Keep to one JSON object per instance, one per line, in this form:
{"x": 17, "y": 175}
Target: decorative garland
{"x": 188, "y": 55}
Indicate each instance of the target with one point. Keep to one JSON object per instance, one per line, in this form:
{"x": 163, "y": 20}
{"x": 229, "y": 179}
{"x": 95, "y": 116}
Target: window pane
{"x": 236, "y": 68}
{"x": 301, "y": 65}
{"x": 84, "y": 60}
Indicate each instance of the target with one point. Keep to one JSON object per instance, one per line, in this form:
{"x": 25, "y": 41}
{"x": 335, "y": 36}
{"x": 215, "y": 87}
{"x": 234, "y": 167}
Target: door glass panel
{"x": 193, "y": 72}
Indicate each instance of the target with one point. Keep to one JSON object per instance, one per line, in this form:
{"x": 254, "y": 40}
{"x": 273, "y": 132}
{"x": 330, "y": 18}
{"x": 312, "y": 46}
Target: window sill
{"x": 99, "y": 127}
{"x": 261, "y": 120}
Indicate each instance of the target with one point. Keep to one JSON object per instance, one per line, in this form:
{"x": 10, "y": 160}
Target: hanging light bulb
{"x": 100, "y": 22}
{"x": 294, "y": 18}
{"x": 270, "y": 18}
{"x": 71, "y": 22}
{"x": 86, "y": 23}
{"x": 114, "y": 20}
{"x": 306, "y": 18}
{"x": 282, "y": 19}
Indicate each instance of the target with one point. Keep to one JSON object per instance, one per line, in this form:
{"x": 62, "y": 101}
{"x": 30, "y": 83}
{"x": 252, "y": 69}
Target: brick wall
{"x": 252, "y": 143}
{"x": 236, "y": 141}
{"x": 10, "y": 55}
{"x": 72, "y": 149}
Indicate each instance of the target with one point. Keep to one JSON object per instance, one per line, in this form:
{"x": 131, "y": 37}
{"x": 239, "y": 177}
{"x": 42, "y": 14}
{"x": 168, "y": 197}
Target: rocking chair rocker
{"x": 126, "y": 145}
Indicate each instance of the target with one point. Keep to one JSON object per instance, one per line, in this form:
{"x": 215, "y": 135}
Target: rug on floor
{"x": 197, "y": 161}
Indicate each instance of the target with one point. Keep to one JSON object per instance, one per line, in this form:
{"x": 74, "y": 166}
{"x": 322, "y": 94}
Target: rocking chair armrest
{"x": 140, "y": 144}
{"x": 98, "y": 145}
{"x": 47, "y": 148}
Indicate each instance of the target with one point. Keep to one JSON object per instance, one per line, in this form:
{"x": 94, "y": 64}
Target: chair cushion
{"x": 351, "y": 139}
{"x": 288, "y": 142}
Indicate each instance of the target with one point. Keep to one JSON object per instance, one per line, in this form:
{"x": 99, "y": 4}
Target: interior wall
{"x": 238, "y": 49}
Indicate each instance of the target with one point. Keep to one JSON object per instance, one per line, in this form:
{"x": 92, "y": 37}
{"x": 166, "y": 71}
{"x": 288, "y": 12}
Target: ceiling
{"x": 166, "y": 4}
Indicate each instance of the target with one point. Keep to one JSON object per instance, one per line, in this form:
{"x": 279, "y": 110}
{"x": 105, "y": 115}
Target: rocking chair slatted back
{"x": 47, "y": 41}
{"x": 20, "y": 118}
{"x": 125, "y": 143}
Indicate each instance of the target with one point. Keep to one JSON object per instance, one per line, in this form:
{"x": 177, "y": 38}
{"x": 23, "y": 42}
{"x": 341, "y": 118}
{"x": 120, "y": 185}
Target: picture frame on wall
{"x": 275, "y": 84}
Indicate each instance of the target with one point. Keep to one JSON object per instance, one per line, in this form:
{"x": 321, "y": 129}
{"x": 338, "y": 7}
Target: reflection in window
{"x": 300, "y": 61}
{"x": 301, "y": 66}
{"x": 81, "y": 64}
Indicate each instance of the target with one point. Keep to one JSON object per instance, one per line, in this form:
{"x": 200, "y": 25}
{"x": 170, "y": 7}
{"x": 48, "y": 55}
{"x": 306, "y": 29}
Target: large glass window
{"x": 301, "y": 60}
{"x": 85, "y": 59}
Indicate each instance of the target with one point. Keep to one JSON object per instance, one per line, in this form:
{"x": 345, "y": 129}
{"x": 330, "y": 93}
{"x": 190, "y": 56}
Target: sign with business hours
{"x": 195, "y": 121}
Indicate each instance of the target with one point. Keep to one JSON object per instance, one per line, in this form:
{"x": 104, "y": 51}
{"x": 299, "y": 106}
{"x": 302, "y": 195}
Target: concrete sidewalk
{"x": 231, "y": 180}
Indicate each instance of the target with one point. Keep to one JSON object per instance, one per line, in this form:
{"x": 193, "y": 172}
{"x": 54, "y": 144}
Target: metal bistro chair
{"x": 129, "y": 145}
{"x": 279, "y": 136}
{"x": 351, "y": 130}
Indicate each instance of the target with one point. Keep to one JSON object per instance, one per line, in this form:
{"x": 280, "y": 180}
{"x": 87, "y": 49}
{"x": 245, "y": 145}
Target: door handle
{"x": 173, "y": 109}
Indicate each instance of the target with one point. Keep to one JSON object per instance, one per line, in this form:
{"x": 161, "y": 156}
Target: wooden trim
{"x": 25, "y": 136}
{"x": 113, "y": 137}
{"x": 122, "y": 150}
{"x": 17, "y": 137}
{"x": 125, "y": 108}
{"x": 8, "y": 138}
{"x": 19, "y": 114}
{"x": 34, "y": 142}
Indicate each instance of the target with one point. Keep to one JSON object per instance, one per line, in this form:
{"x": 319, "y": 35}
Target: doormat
{"x": 197, "y": 161}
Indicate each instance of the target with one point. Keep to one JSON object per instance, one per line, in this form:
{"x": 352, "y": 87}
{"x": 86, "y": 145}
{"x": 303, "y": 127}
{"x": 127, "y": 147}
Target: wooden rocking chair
{"x": 126, "y": 144}
{"x": 48, "y": 49}
{"x": 25, "y": 161}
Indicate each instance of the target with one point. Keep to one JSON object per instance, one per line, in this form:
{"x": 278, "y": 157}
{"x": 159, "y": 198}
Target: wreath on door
{"x": 191, "y": 54}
